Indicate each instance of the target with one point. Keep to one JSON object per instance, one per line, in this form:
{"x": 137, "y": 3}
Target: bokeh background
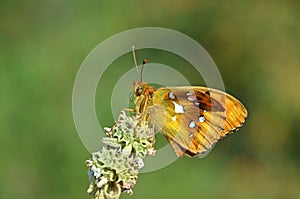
{"x": 255, "y": 45}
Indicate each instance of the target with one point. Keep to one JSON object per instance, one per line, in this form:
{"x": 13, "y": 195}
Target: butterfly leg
{"x": 129, "y": 110}
{"x": 143, "y": 112}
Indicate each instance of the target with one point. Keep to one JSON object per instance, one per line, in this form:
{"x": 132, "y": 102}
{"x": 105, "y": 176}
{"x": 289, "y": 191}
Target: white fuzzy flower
{"x": 89, "y": 163}
{"x": 97, "y": 171}
{"x": 102, "y": 182}
{"x": 151, "y": 151}
{"x": 140, "y": 163}
{"x": 107, "y": 129}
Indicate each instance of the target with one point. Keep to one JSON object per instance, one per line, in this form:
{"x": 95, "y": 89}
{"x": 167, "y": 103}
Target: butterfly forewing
{"x": 193, "y": 119}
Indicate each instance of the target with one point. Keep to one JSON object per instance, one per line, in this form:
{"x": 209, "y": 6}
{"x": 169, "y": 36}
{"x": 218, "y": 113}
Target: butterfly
{"x": 192, "y": 118}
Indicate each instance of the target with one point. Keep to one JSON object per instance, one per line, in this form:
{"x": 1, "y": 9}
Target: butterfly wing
{"x": 193, "y": 119}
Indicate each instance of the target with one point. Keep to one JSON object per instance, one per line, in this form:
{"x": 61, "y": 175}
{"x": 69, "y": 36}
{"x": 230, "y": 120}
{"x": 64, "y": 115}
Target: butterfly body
{"x": 192, "y": 118}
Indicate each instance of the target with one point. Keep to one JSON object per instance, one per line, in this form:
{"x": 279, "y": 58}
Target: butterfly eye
{"x": 138, "y": 91}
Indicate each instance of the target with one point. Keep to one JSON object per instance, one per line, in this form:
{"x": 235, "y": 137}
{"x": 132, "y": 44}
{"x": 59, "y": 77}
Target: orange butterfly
{"x": 192, "y": 118}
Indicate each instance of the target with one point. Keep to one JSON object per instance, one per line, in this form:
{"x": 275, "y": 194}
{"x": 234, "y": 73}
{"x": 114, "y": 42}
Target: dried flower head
{"x": 114, "y": 168}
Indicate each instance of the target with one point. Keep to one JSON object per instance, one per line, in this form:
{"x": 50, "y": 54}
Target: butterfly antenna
{"x": 144, "y": 62}
{"x": 134, "y": 59}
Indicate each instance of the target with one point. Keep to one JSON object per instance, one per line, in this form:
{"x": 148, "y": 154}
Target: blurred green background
{"x": 255, "y": 45}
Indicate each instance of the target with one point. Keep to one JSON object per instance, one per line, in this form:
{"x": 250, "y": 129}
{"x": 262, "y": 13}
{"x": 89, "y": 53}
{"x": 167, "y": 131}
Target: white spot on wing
{"x": 191, "y": 98}
{"x": 192, "y": 124}
{"x": 174, "y": 118}
{"x": 178, "y": 108}
{"x": 201, "y": 118}
{"x": 171, "y": 95}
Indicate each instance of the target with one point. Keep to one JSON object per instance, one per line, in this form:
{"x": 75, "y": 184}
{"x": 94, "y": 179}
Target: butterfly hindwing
{"x": 193, "y": 119}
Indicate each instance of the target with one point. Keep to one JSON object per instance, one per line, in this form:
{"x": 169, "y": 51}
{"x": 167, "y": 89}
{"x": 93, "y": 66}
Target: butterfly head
{"x": 138, "y": 88}
{"x": 142, "y": 88}
{"x": 143, "y": 94}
